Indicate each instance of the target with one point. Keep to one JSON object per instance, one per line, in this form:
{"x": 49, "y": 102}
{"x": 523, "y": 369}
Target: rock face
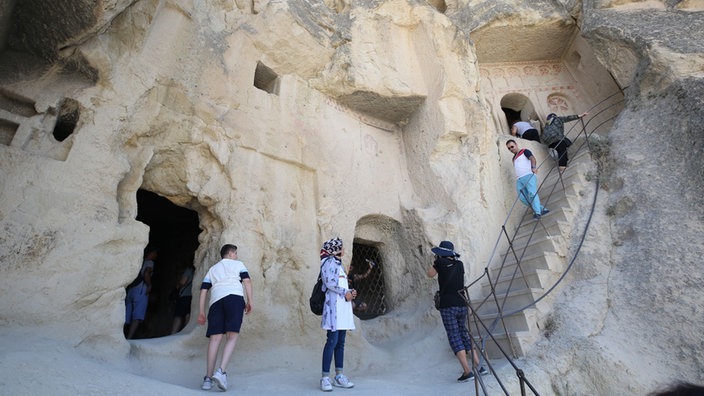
{"x": 282, "y": 124}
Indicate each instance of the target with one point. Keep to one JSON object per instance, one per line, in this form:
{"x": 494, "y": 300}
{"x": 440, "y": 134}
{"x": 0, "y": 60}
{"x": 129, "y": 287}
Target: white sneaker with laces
{"x": 342, "y": 381}
{"x": 220, "y": 379}
{"x": 207, "y": 384}
{"x": 325, "y": 384}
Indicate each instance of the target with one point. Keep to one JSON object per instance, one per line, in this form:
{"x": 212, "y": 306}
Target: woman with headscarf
{"x": 337, "y": 313}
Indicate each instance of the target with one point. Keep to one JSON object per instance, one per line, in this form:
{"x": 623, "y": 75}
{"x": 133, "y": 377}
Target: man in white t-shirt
{"x": 524, "y": 164}
{"x": 525, "y": 130}
{"x": 228, "y": 281}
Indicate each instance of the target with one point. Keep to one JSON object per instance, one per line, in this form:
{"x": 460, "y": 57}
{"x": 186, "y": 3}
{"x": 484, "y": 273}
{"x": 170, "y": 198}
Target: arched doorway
{"x": 517, "y": 107}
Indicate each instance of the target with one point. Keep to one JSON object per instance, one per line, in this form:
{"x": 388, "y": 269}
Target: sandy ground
{"x": 34, "y": 363}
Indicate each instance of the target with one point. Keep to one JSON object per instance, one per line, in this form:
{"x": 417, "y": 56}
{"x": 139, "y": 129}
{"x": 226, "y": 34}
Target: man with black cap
{"x": 453, "y": 309}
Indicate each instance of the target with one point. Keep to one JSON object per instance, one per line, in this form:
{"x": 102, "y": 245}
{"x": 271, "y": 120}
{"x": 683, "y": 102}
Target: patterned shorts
{"x": 455, "y": 321}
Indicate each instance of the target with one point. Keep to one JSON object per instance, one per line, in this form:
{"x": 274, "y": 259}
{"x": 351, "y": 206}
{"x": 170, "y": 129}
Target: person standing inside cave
{"x": 525, "y": 165}
{"x": 554, "y": 136}
{"x": 337, "y": 313}
{"x": 453, "y": 309}
{"x": 137, "y": 298}
{"x": 182, "y": 301}
{"x": 525, "y": 130}
{"x": 228, "y": 281}
{"x": 357, "y": 304}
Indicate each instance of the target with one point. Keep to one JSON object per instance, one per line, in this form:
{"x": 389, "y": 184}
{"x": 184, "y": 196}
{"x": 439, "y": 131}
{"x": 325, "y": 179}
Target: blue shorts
{"x": 225, "y": 315}
{"x": 136, "y": 304}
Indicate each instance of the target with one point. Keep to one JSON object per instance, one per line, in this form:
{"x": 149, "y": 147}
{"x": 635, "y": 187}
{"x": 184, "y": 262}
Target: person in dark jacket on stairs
{"x": 554, "y": 135}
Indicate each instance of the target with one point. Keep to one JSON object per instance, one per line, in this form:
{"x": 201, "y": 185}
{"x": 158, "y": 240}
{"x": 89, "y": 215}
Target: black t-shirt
{"x": 450, "y": 281}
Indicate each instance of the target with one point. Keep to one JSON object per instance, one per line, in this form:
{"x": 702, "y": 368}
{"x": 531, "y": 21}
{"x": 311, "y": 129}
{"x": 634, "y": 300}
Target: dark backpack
{"x": 317, "y": 297}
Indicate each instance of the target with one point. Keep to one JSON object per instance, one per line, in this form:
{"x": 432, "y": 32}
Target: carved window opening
{"x": 8, "y": 129}
{"x": 266, "y": 79}
{"x": 368, "y": 280}
{"x": 66, "y": 120}
{"x": 173, "y": 230}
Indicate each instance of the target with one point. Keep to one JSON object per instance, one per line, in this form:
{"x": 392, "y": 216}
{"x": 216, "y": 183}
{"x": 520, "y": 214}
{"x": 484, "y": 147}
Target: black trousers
{"x": 531, "y": 134}
{"x": 561, "y": 147}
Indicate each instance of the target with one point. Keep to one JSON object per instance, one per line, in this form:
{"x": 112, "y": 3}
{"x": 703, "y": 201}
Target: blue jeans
{"x": 334, "y": 345}
{"x": 527, "y": 187}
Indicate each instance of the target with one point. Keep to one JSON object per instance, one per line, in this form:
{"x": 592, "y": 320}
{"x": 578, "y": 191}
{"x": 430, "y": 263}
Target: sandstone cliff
{"x": 281, "y": 124}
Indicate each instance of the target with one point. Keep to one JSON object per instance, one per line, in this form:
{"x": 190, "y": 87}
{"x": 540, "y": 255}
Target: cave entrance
{"x": 174, "y": 231}
{"x": 518, "y": 107}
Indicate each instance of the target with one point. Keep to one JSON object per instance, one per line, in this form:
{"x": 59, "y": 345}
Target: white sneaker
{"x": 325, "y": 384}
{"x": 220, "y": 379}
{"x": 207, "y": 384}
{"x": 342, "y": 381}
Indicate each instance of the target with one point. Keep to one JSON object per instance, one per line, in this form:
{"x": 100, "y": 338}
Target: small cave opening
{"x": 367, "y": 276}
{"x": 173, "y": 231}
{"x": 67, "y": 119}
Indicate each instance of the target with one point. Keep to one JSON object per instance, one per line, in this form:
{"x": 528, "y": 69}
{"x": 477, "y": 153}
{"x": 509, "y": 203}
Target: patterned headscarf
{"x": 331, "y": 247}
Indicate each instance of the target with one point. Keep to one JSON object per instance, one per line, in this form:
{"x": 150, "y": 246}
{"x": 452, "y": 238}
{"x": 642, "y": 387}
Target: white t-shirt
{"x": 226, "y": 278}
{"x": 522, "y": 164}
{"x": 522, "y": 126}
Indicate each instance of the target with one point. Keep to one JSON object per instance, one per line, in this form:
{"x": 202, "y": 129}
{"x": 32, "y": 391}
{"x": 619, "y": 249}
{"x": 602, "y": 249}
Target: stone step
{"x": 539, "y": 245}
{"x": 525, "y": 320}
{"x": 511, "y": 301}
{"x": 548, "y": 261}
{"x": 517, "y": 280}
{"x": 555, "y": 215}
{"x": 521, "y": 341}
{"x": 558, "y": 200}
{"x": 572, "y": 179}
{"x": 553, "y": 229}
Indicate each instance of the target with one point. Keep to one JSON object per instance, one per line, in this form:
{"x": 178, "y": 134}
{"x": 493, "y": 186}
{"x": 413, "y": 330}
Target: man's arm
{"x": 431, "y": 272}
{"x": 248, "y": 291}
{"x": 148, "y": 278}
{"x": 201, "y": 306}
{"x": 514, "y": 130}
{"x": 533, "y": 163}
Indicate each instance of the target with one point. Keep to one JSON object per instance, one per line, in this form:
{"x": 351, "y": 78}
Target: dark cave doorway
{"x": 174, "y": 231}
{"x": 517, "y": 107}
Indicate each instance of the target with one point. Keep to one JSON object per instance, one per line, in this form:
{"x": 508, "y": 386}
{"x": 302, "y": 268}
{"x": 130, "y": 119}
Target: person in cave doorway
{"x": 357, "y": 304}
{"x": 228, "y": 281}
{"x": 137, "y": 298}
{"x": 453, "y": 309}
{"x": 182, "y": 302}
{"x": 525, "y": 130}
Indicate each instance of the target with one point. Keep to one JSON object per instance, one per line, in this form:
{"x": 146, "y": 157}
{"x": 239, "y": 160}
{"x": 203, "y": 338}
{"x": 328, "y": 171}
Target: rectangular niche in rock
{"x": 266, "y": 79}
{"x": 7, "y": 131}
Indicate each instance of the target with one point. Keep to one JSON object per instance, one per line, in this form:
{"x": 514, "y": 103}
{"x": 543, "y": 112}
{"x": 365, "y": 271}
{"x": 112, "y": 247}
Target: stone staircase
{"x": 542, "y": 248}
